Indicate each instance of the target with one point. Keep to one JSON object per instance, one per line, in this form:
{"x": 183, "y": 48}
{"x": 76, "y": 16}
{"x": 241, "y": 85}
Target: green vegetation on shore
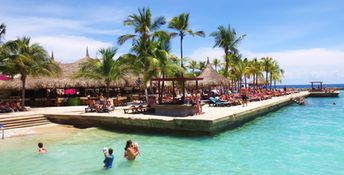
{"x": 149, "y": 56}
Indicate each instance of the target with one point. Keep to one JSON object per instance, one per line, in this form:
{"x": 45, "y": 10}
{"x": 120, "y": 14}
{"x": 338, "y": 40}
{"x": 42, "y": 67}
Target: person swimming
{"x": 131, "y": 150}
{"x": 41, "y": 149}
{"x": 109, "y": 157}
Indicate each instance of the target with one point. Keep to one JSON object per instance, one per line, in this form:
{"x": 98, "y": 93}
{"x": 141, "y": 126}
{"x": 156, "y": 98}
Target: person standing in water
{"x": 131, "y": 150}
{"x": 41, "y": 149}
{"x": 109, "y": 157}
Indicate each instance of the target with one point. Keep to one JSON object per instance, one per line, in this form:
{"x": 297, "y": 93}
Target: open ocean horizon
{"x": 309, "y": 86}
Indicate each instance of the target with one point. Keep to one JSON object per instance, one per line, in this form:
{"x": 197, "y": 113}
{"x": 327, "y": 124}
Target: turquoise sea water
{"x": 293, "y": 140}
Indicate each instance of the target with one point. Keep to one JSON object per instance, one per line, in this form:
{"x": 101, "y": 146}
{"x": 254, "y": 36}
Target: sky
{"x": 304, "y": 36}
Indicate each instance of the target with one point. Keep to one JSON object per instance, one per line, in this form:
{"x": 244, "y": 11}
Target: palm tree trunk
{"x": 107, "y": 90}
{"x": 181, "y": 51}
{"x": 266, "y": 79}
{"x": 227, "y": 64}
{"x": 23, "y": 79}
{"x": 256, "y": 80}
{"x": 270, "y": 81}
{"x": 146, "y": 93}
{"x": 275, "y": 84}
{"x": 245, "y": 79}
{"x": 162, "y": 89}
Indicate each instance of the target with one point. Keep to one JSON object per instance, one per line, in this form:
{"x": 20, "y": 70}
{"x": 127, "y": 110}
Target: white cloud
{"x": 63, "y": 29}
{"x": 70, "y": 48}
{"x": 202, "y": 53}
{"x": 301, "y": 65}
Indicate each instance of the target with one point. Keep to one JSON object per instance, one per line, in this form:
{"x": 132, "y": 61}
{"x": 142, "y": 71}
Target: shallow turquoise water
{"x": 293, "y": 140}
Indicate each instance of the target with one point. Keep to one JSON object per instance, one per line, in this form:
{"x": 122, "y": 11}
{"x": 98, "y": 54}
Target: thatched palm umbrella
{"x": 260, "y": 81}
{"x": 211, "y": 78}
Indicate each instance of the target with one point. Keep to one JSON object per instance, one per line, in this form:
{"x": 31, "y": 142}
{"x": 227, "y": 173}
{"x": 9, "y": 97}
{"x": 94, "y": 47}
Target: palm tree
{"x": 216, "y": 63}
{"x": 201, "y": 65}
{"x": 193, "y": 66}
{"x": 267, "y": 63}
{"x": 227, "y": 40}
{"x": 2, "y": 31}
{"x": 165, "y": 63}
{"x": 255, "y": 69}
{"x": 141, "y": 56}
{"x": 276, "y": 74}
{"x": 247, "y": 73}
{"x": 106, "y": 68}
{"x": 28, "y": 59}
{"x": 181, "y": 25}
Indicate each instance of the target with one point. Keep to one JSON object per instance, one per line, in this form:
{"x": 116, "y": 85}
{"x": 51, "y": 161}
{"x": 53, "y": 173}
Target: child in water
{"x": 41, "y": 149}
{"x": 108, "y": 158}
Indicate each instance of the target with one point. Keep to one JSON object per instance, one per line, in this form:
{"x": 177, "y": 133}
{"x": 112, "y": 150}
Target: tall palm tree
{"x": 246, "y": 71}
{"x": 255, "y": 69}
{"x": 164, "y": 64}
{"x": 28, "y": 59}
{"x": 267, "y": 64}
{"x": 276, "y": 74}
{"x": 181, "y": 25}
{"x": 141, "y": 56}
{"x": 193, "y": 66}
{"x": 226, "y": 38}
{"x": 216, "y": 63}
{"x": 106, "y": 68}
{"x": 2, "y": 31}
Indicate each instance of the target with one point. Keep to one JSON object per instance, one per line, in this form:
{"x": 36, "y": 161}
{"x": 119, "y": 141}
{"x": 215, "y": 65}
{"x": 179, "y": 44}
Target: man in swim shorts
{"x": 243, "y": 93}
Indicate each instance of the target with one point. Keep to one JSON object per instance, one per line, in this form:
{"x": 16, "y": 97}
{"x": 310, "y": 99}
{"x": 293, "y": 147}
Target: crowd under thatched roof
{"x": 211, "y": 78}
{"x": 65, "y": 80}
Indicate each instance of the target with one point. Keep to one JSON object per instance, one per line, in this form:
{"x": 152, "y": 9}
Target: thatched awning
{"x": 211, "y": 78}
{"x": 64, "y": 80}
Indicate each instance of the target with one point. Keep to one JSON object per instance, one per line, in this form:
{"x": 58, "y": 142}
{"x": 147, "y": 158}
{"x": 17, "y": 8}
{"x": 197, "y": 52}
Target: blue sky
{"x": 304, "y": 36}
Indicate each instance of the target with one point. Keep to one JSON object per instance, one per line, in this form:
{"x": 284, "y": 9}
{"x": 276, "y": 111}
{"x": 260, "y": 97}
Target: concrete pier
{"x": 214, "y": 119}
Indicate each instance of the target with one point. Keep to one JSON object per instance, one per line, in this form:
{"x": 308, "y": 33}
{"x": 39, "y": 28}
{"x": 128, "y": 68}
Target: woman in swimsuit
{"x": 130, "y": 151}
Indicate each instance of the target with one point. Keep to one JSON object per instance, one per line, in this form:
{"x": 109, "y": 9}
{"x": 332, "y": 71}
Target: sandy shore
{"x": 43, "y": 129}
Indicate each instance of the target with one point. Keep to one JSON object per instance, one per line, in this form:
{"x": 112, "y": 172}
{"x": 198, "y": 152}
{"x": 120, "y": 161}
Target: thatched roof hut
{"x": 261, "y": 81}
{"x": 65, "y": 80}
{"x": 211, "y": 78}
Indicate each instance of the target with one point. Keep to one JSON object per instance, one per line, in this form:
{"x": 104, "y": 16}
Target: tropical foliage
{"x": 149, "y": 56}
{"x": 26, "y": 59}
{"x": 227, "y": 39}
{"x": 105, "y": 68}
{"x": 181, "y": 25}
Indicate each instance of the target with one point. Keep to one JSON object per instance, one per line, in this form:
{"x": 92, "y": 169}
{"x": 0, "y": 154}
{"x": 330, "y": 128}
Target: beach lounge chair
{"x": 107, "y": 109}
{"x": 133, "y": 109}
{"x": 214, "y": 102}
{"x": 90, "y": 109}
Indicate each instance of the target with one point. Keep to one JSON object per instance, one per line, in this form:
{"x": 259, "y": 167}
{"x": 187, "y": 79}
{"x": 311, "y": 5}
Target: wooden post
{"x": 196, "y": 84}
{"x": 173, "y": 90}
{"x": 159, "y": 96}
{"x": 183, "y": 99}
